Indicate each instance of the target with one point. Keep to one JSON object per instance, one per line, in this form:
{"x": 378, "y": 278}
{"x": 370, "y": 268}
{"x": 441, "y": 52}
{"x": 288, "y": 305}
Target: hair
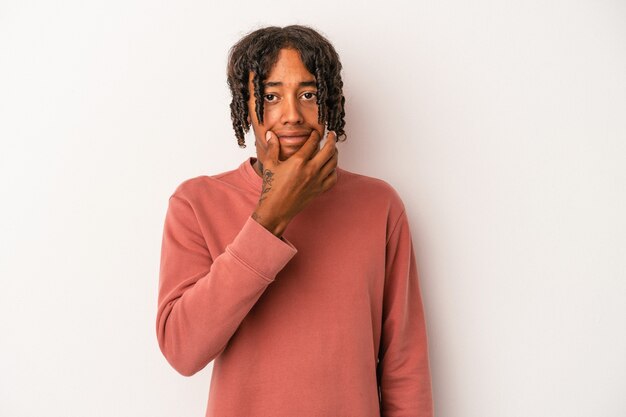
{"x": 258, "y": 51}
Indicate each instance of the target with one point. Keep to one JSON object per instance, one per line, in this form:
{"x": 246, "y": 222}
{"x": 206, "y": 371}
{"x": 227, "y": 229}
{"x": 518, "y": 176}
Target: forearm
{"x": 404, "y": 369}
{"x": 202, "y": 300}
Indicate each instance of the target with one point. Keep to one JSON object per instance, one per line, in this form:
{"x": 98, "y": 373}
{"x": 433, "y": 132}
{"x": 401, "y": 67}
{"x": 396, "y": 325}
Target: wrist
{"x": 275, "y": 226}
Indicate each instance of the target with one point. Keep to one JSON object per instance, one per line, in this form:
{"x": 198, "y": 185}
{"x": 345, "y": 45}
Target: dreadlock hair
{"x": 258, "y": 51}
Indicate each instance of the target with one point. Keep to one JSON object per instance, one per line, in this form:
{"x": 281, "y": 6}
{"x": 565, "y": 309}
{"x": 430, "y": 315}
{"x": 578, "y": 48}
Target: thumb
{"x": 273, "y": 147}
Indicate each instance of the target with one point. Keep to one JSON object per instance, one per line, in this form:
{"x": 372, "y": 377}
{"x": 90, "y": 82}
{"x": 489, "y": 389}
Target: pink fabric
{"x": 312, "y": 324}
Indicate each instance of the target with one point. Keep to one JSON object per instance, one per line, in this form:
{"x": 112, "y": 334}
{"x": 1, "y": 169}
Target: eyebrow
{"x": 302, "y": 84}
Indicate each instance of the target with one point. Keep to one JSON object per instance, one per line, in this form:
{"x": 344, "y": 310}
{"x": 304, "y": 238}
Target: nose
{"x": 291, "y": 111}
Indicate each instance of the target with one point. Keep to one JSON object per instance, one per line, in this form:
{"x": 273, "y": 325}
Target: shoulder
{"x": 204, "y": 185}
{"x": 372, "y": 186}
{"x": 373, "y": 190}
{"x": 189, "y": 187}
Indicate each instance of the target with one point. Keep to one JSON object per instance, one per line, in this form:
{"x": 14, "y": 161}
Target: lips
{"x": 291, "y": 134}
{"x": 293, "y": 140}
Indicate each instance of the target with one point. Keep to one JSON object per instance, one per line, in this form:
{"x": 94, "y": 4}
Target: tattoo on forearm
{"x": 268, "y": 177}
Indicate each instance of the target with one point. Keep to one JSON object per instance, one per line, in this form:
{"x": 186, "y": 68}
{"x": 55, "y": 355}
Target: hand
{"x": 289, "y": 186}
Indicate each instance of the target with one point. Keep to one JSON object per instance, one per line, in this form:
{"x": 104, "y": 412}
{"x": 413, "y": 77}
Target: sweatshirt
{"x": 326, "y": 320}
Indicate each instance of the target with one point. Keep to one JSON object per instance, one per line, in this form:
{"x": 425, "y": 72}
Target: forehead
{"x": 288, "y": 71}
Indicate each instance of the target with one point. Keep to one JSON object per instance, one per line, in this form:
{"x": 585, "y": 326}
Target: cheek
{"x": 314, "y": 115}
{"x": 271, "y": 114}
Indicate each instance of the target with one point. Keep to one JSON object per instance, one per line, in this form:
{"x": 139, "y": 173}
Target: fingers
{"x": 330, "y": 180}
{"x": 310, "y": 146}
{"x": 268, "y": 150}
{"x": 329, "y": 167}
{"x": 273, "y": 148}
{"x": 327, "y": 151}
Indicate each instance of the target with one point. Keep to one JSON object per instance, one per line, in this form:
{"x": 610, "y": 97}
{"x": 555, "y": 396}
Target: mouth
{"x": 292, "y": 140}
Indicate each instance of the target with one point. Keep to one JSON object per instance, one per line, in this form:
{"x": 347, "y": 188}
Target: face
{"x": 290, "y": 108}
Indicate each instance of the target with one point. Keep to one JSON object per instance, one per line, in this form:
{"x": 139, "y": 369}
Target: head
{"x": 309, "y": 96}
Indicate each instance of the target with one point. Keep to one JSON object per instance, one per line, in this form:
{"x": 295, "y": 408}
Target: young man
{"x": 296, "y": 277}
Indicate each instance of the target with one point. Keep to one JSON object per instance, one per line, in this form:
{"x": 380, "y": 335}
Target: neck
{"x": 258, "y": 167}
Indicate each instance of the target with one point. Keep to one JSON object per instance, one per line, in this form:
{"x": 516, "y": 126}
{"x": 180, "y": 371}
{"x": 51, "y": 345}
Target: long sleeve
{"x": 403, "y": 368}
{"x": 202, "y": 301}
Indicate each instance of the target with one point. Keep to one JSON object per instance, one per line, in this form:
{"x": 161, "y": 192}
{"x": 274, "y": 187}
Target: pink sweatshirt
{"x": 326, "y": 321}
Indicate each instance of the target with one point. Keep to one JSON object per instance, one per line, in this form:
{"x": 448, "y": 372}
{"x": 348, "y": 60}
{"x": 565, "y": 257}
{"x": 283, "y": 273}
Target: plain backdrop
{"x": 502, "y": 125}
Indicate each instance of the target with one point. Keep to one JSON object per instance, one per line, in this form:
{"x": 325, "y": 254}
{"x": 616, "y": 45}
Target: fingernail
{"x": 268, "y": 135}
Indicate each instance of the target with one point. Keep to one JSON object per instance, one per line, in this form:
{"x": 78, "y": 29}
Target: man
{"x": 296, "y": 277}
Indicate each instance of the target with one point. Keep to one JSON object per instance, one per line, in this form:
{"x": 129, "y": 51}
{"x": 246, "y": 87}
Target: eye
{"x": 310, "y": 93}
{"x": 269, "y": 99}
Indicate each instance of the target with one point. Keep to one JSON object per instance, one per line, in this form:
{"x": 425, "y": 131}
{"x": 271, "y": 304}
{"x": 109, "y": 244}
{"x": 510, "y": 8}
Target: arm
{"x": 403, "y": 368}
{"x": 201, "y": 300}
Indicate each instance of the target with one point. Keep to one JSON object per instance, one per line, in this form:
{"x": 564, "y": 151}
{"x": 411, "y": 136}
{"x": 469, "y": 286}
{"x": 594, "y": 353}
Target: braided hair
{"x": 258, "y": 51}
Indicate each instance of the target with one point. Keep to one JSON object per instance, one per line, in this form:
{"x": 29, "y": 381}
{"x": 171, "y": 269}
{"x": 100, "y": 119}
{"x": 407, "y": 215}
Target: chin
{"x": 283, "y": 156}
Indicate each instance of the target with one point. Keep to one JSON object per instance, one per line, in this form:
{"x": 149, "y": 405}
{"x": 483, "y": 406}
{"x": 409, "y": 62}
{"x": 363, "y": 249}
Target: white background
{"x": 501, "y": 124}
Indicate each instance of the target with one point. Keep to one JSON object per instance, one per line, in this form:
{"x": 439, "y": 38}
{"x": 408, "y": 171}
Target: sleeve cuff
{"x": 261, "y": 250}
